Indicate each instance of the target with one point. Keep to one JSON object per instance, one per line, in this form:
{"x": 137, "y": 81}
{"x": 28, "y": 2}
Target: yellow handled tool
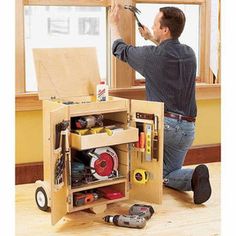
{"x": 94, "y": 131}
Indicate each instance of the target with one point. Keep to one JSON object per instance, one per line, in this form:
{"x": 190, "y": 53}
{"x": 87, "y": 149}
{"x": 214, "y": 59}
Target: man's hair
{"x": 174, "y": 19}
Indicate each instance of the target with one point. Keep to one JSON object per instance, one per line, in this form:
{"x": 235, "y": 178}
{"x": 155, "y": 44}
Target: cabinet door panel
{"x": 151, "y": 191}
{"x": 58, "y": 196}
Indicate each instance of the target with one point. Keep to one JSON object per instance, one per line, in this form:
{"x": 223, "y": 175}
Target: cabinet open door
{"x": 143, "y": 112}
{"x": 58, "y": 195}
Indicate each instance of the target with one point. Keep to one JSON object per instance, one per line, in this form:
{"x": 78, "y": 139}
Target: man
{"x": 169, "y": 70}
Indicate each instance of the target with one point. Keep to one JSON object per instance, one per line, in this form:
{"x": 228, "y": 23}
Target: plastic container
{"x": 102, "y": 92}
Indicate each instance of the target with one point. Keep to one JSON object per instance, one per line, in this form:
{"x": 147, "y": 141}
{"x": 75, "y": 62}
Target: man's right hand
{"x": 145, "y": 33}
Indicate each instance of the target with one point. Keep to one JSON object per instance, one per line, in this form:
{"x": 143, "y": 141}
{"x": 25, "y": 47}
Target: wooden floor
{"x": 177, "y": 216}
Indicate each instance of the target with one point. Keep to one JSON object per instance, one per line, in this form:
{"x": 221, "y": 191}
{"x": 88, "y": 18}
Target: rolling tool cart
{"x": 90, "y": 148}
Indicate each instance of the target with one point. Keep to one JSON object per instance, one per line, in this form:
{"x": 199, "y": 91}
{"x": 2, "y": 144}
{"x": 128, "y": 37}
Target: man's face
{"x": 158, "y": 33}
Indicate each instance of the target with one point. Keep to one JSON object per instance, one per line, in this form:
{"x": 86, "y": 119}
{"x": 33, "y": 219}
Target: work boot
{"x": 201, "y": 184}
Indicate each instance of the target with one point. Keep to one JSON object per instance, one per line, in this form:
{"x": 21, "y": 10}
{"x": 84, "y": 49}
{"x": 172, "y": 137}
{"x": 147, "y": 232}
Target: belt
{"x": 180, "y": 117}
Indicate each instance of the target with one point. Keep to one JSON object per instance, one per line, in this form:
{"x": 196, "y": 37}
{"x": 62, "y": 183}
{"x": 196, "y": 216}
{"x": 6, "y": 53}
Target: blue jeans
{"x": 178, "y": 137}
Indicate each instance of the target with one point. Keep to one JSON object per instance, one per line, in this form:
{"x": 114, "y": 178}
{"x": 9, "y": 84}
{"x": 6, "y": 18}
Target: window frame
{"x": 203, "y": 46}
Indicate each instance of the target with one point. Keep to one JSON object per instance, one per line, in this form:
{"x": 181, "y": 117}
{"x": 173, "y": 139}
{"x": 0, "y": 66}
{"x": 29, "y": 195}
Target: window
{"x": 69, "y": 23}
{"x": 190, "y": 35}
{"x": 60, "y": 26}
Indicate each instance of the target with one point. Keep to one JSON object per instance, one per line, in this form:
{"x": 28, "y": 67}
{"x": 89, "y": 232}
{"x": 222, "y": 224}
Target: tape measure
{"x": 141, "y": 176}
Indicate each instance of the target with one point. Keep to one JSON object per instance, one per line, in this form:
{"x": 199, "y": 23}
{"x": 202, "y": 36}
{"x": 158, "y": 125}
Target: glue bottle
{"x": 102, "y": 92}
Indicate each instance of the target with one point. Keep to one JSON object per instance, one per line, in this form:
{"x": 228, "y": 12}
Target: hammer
{"x": 135, "y": 11}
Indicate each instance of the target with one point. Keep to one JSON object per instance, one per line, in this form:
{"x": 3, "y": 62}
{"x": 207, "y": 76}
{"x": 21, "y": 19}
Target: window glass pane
{"x": 190, "y": 35}
{"x": 61, "y": 27}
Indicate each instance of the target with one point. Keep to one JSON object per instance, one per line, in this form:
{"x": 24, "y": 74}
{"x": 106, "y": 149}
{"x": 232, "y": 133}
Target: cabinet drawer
{"x": 82, "y": 142}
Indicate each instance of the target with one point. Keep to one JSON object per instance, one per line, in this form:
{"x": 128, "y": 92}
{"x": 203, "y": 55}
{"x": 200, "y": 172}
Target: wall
{"x": 29, "y": 130}
{"x": 208, "y": 124}
{"x": 29, "y": 137}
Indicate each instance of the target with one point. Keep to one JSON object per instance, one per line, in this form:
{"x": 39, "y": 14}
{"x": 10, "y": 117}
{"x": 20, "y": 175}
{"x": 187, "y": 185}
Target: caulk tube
{"x": 130, "y": 221}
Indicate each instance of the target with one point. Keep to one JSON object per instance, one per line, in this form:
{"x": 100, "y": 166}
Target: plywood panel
{"x": 66, "y": 72}
{"x": 123, "y": 157}
{"x": 47, "y": 108}
{"x": 58, "y": 197}
{"x": 154, "y": 167}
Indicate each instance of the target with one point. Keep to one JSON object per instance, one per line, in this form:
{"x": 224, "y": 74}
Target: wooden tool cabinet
{"x": 59, "y": 76}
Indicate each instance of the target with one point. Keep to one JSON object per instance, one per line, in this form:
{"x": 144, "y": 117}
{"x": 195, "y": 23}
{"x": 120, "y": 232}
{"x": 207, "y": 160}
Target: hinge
{"x": 129, "y": 172}
{"x": 129, "y": 118}
{"x": 68, "y": 199}
{"x": 54, "y": 98}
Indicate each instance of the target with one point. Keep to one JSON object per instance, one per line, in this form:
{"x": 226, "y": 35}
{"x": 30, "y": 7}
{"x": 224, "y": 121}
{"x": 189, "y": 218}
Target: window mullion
{"x": 20, "y": 48}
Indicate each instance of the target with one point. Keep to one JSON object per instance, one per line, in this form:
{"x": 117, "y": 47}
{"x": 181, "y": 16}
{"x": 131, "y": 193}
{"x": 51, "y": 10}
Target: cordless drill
{"x": 130, "y": 221}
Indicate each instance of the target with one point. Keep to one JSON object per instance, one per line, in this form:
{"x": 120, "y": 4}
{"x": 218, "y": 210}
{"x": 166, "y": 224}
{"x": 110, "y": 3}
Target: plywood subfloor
{"x": 177, "y": 216}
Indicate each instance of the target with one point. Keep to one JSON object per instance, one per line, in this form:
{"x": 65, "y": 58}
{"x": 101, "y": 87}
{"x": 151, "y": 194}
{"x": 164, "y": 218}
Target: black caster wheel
{"x": 41, "y": 199}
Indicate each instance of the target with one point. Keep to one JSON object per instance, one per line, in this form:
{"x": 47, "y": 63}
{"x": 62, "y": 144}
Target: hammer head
{"x": 132, "y": 8}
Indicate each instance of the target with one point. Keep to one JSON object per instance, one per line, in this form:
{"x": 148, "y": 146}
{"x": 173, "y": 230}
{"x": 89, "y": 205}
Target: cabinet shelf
{"x": 99, "y": 184}
{"x": 97, "y": 203}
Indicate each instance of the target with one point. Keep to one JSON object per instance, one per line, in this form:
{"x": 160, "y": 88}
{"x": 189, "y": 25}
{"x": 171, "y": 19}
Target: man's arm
{"x": 146, "y": 34}
{"x": 134, "y": 56}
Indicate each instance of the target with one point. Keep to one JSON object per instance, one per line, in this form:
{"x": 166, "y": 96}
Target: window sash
{"x": 20, "y": 76}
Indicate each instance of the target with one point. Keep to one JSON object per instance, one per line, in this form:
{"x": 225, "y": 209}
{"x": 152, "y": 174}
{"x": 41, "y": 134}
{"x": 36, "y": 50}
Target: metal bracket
{"x": 69, "y": 199}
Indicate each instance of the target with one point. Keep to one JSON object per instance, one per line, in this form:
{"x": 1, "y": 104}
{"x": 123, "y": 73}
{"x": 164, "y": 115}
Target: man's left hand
{"x": 114, "y": 14}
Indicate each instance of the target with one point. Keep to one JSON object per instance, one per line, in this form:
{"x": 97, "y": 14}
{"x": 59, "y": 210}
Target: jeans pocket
{"x": 168, "y": 127}
{"x": 186, "y": 140}
{"x": 172, "y": 136}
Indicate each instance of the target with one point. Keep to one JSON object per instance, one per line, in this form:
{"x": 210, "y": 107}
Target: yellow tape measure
{"x": 140, "y": 176}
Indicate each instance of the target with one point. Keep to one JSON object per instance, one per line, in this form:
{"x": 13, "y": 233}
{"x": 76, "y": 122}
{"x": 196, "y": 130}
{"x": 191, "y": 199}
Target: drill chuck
{"x": 130, "y": 221}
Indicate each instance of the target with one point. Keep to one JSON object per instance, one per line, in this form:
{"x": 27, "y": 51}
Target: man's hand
{"x": 145, "y": 32}
{"x": 114, "y": 14}
{"x": 114, "y": 19}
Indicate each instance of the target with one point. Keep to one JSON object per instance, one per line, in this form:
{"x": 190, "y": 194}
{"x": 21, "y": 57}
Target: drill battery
{"x": 80, "y": 199}
{"x": 145, "y": 211}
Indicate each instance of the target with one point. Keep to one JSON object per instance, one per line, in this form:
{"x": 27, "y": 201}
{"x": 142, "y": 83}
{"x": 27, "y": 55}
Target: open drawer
{"x": 82, "y": 142}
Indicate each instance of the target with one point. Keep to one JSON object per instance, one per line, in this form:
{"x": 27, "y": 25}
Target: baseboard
{"x": 30, "y": 172}
{"x": 203, "y": 154}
